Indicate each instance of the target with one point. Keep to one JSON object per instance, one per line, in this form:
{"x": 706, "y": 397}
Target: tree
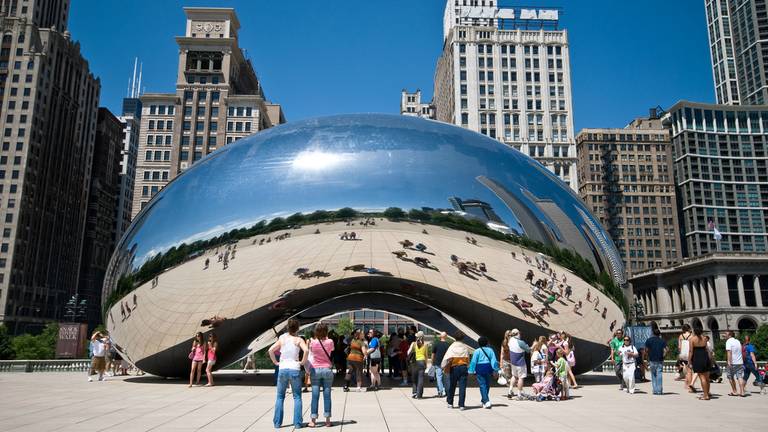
{"x": 760, "y": 341}
{"x": 345, "y": 213}
{"x": 394, "y": 213}
{"x": 344, "y": 327}
{"x": 40, "y": 347}
{"x": 295, "y": 219}
{"x": 6, "y": 350}
{"x": 419, "y": 215}
{"x": 319, "y": 215}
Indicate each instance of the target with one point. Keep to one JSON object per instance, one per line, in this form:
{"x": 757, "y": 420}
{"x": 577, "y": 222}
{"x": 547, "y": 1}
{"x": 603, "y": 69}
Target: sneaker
{"x": 487, "y": 405}
{"x": 626, "y": 390}
{"x": 346, "y": 389}
{"x": 521, "y": 398}
{"x": 461, "y": 408}
{"x": 360, "y": 389}
{"x": 413, "y": 396}
{"x": 90, "y": 379}
{"x": 450, "y": 406}
{"x": 403, "y": 384}
{"x": 632, "y": 391}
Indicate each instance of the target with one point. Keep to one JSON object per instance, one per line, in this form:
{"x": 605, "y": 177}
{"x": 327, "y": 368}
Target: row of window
{"x": 155, "y": 175}
{"x": 510, "y": 49}
{"x": 161, "y": 109}
{"x": 160, "y": 125}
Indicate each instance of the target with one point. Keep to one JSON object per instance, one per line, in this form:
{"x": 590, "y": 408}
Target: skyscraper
{"x": 131, "y": 119}
{"x": 103, "y": 199}
{"x": 218, "y": 100}
{"x": 721, "y": 176}
{"x": 48, "y": 113}
{"x": 505, "y": 73}
{"x": 738, "y": 39}
{"x": 625, "y": 178}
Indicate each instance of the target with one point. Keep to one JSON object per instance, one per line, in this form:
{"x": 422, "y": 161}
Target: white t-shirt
{"x": 98, "y": 348}
{"x": 625, "y": 351}
{"x": 537, "y": 356}
{"x": 734, "y": 346}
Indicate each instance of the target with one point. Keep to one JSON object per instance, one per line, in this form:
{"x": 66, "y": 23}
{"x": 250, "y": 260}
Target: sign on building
{"x": 72, "y": 339}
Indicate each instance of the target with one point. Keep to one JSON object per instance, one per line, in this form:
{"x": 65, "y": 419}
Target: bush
{"x": 6, "y": 349}
{"x": 40, "y": 347}
{"x": 345, "y": 213}
{"x": 394, "y": 213}
{"x": 760, "y": 341}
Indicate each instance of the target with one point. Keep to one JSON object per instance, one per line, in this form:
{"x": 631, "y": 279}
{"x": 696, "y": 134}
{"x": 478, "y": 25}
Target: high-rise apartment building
{"x": 103, "y": 199}
{"x": 411, "y": 105}
{"x": 721, "y": 176}
{"x": 625, "y": 177}
{"x": 48, "y": 113}
{"x": 505, "y": 72}
{"x": 218, "y": 100}
{"x": 738, "y": 38}
{"x": 131, "y": 120}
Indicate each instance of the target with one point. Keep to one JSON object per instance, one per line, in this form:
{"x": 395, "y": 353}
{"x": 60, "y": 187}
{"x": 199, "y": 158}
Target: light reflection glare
{"x": 314, "y": 160}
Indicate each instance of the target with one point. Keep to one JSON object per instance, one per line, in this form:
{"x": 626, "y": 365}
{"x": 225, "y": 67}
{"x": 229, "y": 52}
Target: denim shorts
{"x": 735, "y": 372}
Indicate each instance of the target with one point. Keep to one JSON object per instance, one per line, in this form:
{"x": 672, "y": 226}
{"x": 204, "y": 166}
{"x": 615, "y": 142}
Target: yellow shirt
{"x": 421, "y": 353}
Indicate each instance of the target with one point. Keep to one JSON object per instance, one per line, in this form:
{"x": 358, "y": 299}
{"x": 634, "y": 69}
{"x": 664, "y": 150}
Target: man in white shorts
{"x": 517, "y": 350}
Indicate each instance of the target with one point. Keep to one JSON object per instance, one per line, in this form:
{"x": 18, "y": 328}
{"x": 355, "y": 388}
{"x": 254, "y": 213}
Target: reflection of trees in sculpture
{"x": 184, "y": 252}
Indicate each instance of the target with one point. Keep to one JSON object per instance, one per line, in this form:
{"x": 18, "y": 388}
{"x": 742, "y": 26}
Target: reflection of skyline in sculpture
{"x": 286, "y": 196}
{"x": 481, "y": 210}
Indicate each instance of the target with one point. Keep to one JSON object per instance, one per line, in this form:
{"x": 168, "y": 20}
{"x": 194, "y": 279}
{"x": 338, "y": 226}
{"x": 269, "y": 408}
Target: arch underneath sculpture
{"x": 435, "y": 307}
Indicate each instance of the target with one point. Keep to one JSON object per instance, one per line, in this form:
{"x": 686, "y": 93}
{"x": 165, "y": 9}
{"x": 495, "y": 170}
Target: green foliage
{"x": 345, "y": 213}
{"x": 672, "y": 350}
{"x": 6, "y": 349}
{"x": 419, "y": 215}
{"x": 39, "y": 347}
{"x": 760, "y": 341}
{"x": 319, "y": 215}
{"x": 719, "y": 346}
{"x": 295, "y": 219}
{"x": 394, "y": 213}
{"x": 344, "y": 327}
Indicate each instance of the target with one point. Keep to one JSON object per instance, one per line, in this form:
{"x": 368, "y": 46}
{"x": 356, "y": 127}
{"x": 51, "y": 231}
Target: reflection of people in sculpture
{"x": 213, "y": 321}
{"x": 406, "y": 243}
{"x": 355, "y": 267}
{"x": 529, "y": 276}
{"x": 577, "y": 307}
{"x": 400, "y": 254}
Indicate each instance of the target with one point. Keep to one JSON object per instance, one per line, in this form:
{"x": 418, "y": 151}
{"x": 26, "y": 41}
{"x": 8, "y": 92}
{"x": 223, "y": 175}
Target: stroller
{"x": 552, "y": 390}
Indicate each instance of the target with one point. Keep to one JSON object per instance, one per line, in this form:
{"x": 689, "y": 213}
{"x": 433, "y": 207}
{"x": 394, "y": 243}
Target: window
{"x": 153, "y": 109}
{"x": 188, "y": 95}
{"x": 187, "y": 111}
{"x": 248, "y": 111}
{"x": 187, "y": 125}
{"x": 199, "y": 126}
{"x": 213, "y": 126}
{"x": 247, "y": 126}
{"x": 214, "y": 96}
{"x": 214, "y": 111}
{"x": 211, "y": 141}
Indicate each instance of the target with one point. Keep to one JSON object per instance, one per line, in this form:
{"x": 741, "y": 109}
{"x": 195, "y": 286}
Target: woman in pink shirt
{"x": 213, "y": 345}
{"x": 197, "y": 355}
{"x": 320, "y": 349}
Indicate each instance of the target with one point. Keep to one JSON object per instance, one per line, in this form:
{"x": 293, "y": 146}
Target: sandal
{"x": 703, "y": 398}
{"x": 732, "y": 394}
{"x": 311, "y": 424}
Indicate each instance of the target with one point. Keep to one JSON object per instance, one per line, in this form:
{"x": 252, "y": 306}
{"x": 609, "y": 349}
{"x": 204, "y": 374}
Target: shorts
{"x": 735, "y": 372}
{"x": 98, "y": 364}
{"x": 211, "y": 362}
{"x": 519, "y": 371}
{"x": 375, "y": 361}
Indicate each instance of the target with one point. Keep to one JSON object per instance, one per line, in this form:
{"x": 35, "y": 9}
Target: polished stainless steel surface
{"x": 364, "y": 162}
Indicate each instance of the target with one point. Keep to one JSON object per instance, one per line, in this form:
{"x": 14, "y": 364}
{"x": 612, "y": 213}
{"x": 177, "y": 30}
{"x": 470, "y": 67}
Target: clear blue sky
{"x": 341, "y": 56}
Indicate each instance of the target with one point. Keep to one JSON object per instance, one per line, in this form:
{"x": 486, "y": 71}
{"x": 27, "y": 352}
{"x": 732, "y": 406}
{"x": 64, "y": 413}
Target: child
{"x": 539, "y": 387}
{"x": 561, "y": 369}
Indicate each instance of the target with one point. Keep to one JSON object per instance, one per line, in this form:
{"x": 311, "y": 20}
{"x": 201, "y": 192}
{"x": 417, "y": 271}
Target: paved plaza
{"x": 66, "y": 402}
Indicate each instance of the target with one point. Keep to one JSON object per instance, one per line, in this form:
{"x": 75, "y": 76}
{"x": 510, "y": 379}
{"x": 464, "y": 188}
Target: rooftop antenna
{"x": 133, "y": 80}
{"x": 138, "y": 88}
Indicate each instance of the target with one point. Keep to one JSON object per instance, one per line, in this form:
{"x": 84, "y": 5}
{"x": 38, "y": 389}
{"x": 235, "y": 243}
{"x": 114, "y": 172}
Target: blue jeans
{"x": 440, "y": 379}
{"x": 484, "y": 382}
{"x": 284, "y": 378}
{"x": 749, "y": 369}
{"x": 656, "y": 371}
{"x": 458, "y": 377}
{"x": 322, "y": 377}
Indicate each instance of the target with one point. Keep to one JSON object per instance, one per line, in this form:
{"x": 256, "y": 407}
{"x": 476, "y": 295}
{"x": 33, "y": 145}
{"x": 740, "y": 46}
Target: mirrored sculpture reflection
{"x": 314, "y": 217}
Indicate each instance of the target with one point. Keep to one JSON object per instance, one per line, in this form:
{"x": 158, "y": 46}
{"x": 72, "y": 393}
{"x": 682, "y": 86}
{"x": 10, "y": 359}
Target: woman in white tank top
{"x": 289, "y": 372}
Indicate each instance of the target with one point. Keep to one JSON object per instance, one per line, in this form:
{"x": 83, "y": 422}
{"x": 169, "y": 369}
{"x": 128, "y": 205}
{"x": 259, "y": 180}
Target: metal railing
{"x": 75, "y": 365}
{"x": 669, "y": 366}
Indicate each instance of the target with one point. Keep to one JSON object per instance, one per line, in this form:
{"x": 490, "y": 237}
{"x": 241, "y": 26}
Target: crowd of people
{"x": 105, "y": 358}
{"x": 414, "y": 361}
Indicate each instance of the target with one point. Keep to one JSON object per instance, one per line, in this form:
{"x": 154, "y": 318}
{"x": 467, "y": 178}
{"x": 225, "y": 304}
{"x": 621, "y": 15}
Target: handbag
{"x": 484, "y": 368}
{"x": 191, "y": 355}
{"x": 431, "y": 371}
{"x": 501, "y": 381}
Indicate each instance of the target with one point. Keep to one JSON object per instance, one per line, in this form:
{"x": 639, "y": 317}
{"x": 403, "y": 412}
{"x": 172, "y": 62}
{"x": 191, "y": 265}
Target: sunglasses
{"x": 626, "y": 340}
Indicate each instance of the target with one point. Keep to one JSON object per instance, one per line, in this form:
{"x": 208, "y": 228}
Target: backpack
{"x": 684, "y": 347}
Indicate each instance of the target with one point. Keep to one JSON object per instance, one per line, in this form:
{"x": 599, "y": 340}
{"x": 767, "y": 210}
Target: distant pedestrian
{"x": 197, "y": 355}
{"x": 700, "y": 358}
{"x": 355, "y": 360}
{"x": 561, "y": 370}
{"x": 655, "y": 350}
{"x": 99, "y": 349}
{"x": 418, "y": 353}
{"x": 484, "y": 365}
{"x": 735, "y": 371}
{"x": 207, "y": 262}
{"x": 456, "y": 364}
{"x": 211, "y": 348}
{"x": 289, "y": 372}
{"x": 374, "y": 356}
{"x": 517, "y": 350}
{"x": 750, "y": 362}
{"x": 615, "y": 344}
{"x": 683, "y": 346}
{"x": 438, "y": 352}
{"x": 628, "y": 358}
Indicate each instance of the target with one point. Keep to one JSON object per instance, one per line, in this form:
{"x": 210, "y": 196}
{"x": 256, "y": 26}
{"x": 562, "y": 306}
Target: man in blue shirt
{"x": 655, "y": 349}
{"x": 750, "y": 362}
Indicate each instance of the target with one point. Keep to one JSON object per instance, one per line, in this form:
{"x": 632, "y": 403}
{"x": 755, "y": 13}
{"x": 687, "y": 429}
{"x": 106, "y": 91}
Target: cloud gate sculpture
{"x": 420, "y": 218}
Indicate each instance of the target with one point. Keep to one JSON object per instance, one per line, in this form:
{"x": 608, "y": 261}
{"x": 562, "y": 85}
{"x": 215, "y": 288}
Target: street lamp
{"x": 75, "y": 307}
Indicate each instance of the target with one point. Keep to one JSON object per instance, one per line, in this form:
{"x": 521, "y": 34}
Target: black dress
{"x": 700, "y": 360}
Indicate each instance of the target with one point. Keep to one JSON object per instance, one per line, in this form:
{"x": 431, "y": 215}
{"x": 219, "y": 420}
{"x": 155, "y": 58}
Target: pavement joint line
{"x": 381, "y": 410}
{"x": 47, "y": 409}
{"x": 259, "y": 418}
{"x": 177, "y": 417}
{"x": 411, "y": 399}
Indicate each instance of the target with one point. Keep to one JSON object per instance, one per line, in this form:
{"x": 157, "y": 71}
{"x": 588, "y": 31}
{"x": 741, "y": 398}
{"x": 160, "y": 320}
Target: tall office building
{"x": 103, "y": 199}
{"x": 218, "y": 100}
{"x": 625, "y": 177}
{"x": 48, "y": 113}
{"x": 131, "y": 119}
{"x": 738, "y": 38}
{"x": 721, "y": 51}
{"x": 505, "y": 72}
{"x": 411, "y": 105}
{"x": 721, "y": 176}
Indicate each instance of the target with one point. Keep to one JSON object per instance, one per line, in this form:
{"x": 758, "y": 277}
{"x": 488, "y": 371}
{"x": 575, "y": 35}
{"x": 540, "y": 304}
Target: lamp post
{"x": 76, "y": 307}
